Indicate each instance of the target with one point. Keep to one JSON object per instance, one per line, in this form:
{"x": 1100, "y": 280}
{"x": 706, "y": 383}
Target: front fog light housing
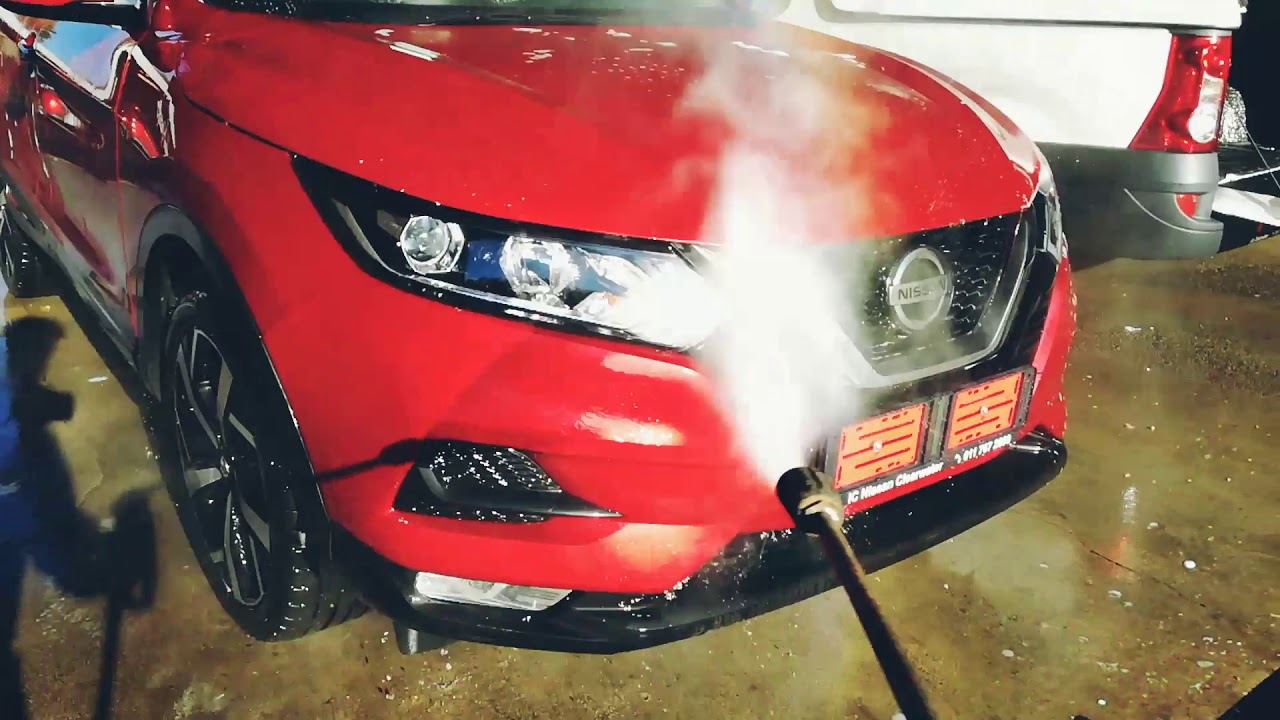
{"x": 428, "y": 587}
{"x": 492, "y": 483}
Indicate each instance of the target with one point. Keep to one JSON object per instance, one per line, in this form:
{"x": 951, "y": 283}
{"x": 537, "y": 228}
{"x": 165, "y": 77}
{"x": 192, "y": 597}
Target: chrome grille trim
{"x": 873, "y": 365}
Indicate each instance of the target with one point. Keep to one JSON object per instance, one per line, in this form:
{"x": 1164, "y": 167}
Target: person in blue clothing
{"x": 39, "y": 521}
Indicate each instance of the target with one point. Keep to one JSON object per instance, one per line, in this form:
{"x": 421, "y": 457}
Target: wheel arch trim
{"x": 168, "y": 222}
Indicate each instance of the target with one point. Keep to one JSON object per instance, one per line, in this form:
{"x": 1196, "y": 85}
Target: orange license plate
{"x": 988, "y": 409}
{"x": 880, "y": 445}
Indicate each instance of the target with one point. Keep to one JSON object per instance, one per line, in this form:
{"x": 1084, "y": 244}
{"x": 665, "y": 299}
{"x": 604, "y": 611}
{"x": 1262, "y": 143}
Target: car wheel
{"x": 20, "y": 261}
{"x": 229, "y": 452}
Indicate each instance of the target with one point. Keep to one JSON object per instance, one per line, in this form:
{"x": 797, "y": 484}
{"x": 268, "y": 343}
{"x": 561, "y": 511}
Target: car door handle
{"x": 51, "y": 105}
{"x": 50, "y": 101}
{"x": 135, "y": 129}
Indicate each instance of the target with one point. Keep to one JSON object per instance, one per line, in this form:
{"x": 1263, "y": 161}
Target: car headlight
{"x": 633, "y": 289}
{"x": 1055, "y": 238}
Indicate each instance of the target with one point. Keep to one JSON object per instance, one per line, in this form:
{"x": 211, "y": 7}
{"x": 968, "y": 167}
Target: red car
{"x": 366, "y": 257}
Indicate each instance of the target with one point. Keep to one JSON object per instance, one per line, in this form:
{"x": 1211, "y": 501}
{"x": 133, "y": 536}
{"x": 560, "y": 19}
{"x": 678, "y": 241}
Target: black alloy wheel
{"x": 20, "y": 262}
{"x": 226, "y": 475}
{"x": 221, "y": 465}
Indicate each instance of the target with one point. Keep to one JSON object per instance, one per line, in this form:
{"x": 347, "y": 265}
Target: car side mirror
{"x": 123, "y": 13}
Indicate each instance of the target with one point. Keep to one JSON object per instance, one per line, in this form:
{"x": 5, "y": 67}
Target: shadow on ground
{"x": 41, "y": 525}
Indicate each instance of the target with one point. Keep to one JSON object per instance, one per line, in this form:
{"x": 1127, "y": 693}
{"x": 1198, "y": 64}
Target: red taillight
{"x": 1188, "y": 203}
{"x": 1187, "y": 114}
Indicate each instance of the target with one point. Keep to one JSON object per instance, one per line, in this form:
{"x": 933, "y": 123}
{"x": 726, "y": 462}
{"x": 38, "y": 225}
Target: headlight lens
{"x": 656, "y": 297}
{"x": 635, "y": 289}
{"x": 430, "y": 246}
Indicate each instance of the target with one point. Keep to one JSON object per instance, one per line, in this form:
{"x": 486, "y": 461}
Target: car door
{"x": 77, "y": 68}
{"x": 23, "y": 170}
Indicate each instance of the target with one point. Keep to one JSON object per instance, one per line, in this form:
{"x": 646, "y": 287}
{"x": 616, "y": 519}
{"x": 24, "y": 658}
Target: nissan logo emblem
{"x": 919, "y": 289}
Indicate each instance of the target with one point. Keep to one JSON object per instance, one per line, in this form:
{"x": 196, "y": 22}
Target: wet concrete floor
{"x": 1141, "y": 583}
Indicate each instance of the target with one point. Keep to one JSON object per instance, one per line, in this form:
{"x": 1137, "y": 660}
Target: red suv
{"x": 382, "y": 268}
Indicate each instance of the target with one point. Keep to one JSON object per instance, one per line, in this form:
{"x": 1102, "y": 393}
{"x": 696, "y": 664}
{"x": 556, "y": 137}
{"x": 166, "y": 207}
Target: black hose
{"x": 817, "y": 510}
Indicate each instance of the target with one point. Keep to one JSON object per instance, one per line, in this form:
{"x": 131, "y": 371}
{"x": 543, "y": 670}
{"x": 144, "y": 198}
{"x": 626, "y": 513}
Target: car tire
{"x": 231, "y": 443}
{"x": 21, "y": 264}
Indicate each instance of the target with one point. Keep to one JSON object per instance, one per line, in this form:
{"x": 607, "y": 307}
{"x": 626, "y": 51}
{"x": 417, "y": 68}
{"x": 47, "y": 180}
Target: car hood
{"x": 587, "y": 127}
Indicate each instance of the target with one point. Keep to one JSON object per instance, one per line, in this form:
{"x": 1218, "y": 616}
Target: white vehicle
{"x": 1124, "y": 97}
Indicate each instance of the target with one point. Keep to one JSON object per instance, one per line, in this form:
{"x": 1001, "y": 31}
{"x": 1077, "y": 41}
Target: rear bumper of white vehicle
{"x": 1120, "y": 203}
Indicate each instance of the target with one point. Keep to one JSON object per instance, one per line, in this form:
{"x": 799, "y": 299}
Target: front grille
{"x": 976, "y": 254}
{"x": 983, "y": 261}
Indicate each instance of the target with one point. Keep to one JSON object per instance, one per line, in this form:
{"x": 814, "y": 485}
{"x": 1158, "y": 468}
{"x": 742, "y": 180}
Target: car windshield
{"x": 480, "y": 12}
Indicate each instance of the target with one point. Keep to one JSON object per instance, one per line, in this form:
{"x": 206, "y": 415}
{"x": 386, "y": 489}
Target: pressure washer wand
{"x": 808, "y": 496}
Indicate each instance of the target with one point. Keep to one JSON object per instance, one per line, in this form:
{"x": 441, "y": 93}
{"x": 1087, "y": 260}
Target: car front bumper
{"x": 755, "y": 574}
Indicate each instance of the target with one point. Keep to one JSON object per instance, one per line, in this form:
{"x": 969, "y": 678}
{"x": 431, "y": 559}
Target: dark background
{"x": 1255, "y": 70}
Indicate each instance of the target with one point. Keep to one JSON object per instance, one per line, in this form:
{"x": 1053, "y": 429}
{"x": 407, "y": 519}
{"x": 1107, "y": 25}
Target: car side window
{"x": 84, "y": 52}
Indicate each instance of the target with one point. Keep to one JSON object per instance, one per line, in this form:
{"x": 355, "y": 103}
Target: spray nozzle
{"x": 810, "y": 499}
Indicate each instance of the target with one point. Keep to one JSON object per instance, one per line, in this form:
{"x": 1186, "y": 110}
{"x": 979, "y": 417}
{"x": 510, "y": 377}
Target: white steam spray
{"x": 780, "y": 363}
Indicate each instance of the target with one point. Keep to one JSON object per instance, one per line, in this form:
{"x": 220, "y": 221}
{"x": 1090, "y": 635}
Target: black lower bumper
{"x": 757, "y": 573}
{"x": 1119, "y": 203}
